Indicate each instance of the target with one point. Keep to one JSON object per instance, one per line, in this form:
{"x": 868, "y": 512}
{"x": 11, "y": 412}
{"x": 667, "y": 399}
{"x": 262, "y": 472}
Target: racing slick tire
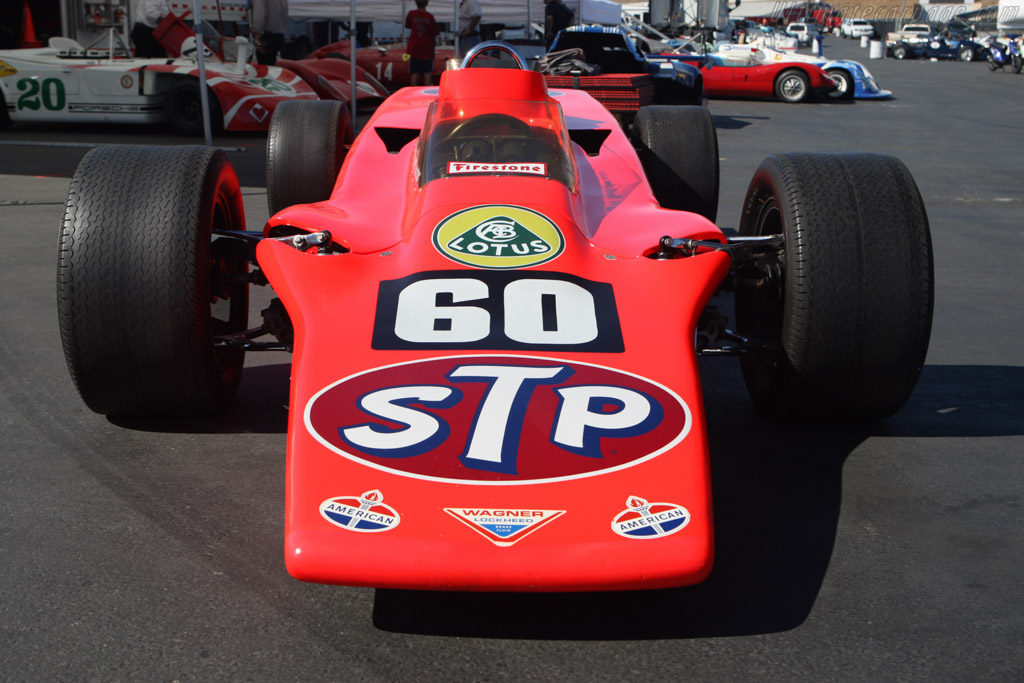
{"x": 183, "y": 107}
{"x": 846, "y": 85}
{"x": 678, "y": 148}
{"x": 850, "y": 297}
{"x": 792, "y": 86}
{"x": 306, "y": 146}
{"x": 5, "y": 118}
{"x": 142, "y": 285}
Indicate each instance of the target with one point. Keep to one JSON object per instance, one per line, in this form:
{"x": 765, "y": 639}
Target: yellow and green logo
{"x": 498, "y": 236}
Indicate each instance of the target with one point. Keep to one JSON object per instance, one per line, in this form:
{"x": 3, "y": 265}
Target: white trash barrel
{"x": 877, "y": 49}
{"x": 865, "y": 41}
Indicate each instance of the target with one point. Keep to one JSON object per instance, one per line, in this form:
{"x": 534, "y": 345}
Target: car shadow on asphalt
{"x": 723, "y": 122}
{"x": 776, "y": 492}
{"x": 261, "y": 407}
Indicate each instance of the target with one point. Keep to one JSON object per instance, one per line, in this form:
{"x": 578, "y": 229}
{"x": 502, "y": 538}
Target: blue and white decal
{"x": 366, "y": 514}
{"x": 643, "y": 520}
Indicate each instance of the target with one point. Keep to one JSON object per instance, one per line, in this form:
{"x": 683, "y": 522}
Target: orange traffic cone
{"x": 28, "y": 32}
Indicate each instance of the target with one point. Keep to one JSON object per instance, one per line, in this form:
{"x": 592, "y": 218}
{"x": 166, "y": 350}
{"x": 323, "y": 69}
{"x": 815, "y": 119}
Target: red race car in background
{"x": 739, "y": 75}
{"x": 389, "y": 65}
{"x": 495, "y": 300}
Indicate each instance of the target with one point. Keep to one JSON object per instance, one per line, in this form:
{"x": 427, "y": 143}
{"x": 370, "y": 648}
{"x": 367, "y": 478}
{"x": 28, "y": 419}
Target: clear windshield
{"x": 526, "y": 138}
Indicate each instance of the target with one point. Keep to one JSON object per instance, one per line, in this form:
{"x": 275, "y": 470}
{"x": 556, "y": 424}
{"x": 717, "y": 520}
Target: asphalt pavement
{"x": 152, "y": 551}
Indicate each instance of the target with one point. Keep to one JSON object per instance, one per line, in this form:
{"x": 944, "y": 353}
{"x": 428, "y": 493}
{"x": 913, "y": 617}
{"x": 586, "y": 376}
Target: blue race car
{"x": 616, "y": 53}
{"x": 939, "y": 48}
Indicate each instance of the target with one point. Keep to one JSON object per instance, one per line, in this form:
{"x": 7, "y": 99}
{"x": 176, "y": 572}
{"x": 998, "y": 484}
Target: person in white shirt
{"x": 469, "y": 25}
{"x": 269, "y": 23}
{"x": 148, "y": 15}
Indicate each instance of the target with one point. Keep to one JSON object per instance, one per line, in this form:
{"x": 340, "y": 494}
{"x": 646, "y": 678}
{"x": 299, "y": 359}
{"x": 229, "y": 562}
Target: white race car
{"x": 103, "y": 82}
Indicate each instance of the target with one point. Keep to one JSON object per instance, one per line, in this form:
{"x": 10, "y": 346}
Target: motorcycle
{"x": 1002, "y": 55}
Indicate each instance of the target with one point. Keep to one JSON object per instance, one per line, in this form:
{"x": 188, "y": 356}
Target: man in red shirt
{"x": 422, "y": 32}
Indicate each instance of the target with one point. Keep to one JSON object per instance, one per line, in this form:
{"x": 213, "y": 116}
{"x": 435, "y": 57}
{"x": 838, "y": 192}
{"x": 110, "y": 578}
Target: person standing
{"x": 148, "y": 15}
{"x": 556, "y": 18}
{"x": 469, "y": 25}
{"x": 422, "y": 32}
{"x": 269, "y": 23}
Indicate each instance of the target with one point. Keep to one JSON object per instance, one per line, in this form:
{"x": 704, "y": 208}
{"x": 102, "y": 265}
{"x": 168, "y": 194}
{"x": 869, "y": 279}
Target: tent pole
{"x": 352, "y": 48}
{"x": 204, "y": 98}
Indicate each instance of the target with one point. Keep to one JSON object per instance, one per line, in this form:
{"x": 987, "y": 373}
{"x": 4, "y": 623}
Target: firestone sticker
{"x": 463, "y": 167}
{"x": 644, "y": 520}
{"x": 499, "y": 236}
{"x": 366, "y": 514}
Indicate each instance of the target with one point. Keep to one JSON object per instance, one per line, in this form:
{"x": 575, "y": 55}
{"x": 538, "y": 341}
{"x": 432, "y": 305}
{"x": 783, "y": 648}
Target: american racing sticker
{"x": 498, "y": 236}
{"x": 463, "y": 168}
{"x": 504, "y": 526}
{"x": 497, "y": 310}
{"x": 649, "y": 520}
{"x": 497, "y": 420}
{"x": 366, "y": 514}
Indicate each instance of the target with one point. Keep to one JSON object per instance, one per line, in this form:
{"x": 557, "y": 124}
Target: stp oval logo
{"x": 497, "y": 420}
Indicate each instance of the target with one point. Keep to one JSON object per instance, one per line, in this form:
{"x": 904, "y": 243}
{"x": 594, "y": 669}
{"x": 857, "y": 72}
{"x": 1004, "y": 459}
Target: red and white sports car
{"x": 495, "y": 300}
{"x": 739, "y": 74}
{"x": 68, "y": 83}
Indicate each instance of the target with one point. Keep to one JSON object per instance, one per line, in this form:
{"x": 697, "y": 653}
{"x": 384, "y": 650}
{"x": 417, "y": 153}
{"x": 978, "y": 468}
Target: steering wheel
{"x": 492, "y": 45}
{"x": 487, "y": 125}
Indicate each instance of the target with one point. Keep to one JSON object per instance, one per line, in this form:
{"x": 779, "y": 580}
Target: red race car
{"x": 737, "y": 75}
{"x": 495, "y": 304}
{"x": 389, "y": 65}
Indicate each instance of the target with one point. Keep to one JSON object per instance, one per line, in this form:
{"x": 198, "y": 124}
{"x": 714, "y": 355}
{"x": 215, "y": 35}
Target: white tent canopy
{"x": 511, "y": 12}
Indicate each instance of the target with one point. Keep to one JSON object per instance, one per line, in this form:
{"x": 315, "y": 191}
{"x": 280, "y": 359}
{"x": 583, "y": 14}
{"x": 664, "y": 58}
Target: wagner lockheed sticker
{"x": 366, "y": 514}
{"x": 498, "y": 236}
{"x": 649, "y": 520}
{"x": 504, "y": 526}
{"x": 497, "y": 420}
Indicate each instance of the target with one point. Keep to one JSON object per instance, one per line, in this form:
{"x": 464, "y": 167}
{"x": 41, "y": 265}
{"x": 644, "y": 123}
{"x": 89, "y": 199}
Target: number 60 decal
{"x": 498, "y": 311}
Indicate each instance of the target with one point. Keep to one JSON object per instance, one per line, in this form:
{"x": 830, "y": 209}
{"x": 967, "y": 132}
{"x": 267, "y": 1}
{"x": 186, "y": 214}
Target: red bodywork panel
{"x": 338, "y": 73}
{"x": 495, "y": 389}
{"x": 390, "y": 66}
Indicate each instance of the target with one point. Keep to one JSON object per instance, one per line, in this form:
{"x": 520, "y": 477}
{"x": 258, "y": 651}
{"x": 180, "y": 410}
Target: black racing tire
{"x": 1018, "y": 64}
{"x": 678, "y": 148}
{"x": 792, "y": 85}
{"x": 850, "y": 298}
{"x": 900, "y": 52}
{"x": 992, "y": 66}
{"x": 183, "y": 108}
{"x": 966, "y": 54}
{"x": 143, "y": 286}
{"x": 846, "y": 84}
{"x": 5, "y": 118}
{"x": 306, "y": 146}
